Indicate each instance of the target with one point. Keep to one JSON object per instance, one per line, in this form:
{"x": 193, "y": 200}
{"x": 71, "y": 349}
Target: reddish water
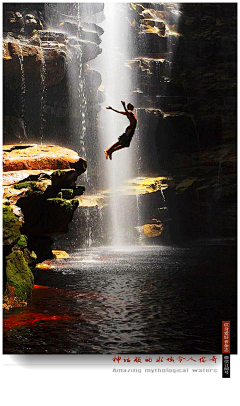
{"x": 151, "y": 300}
{"x": 31, "y": 315}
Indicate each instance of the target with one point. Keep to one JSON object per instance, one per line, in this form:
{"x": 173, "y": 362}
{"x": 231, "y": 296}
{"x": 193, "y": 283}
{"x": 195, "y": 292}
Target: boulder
{"x": 152, "y": 230}
{"x": 40, "y": 157}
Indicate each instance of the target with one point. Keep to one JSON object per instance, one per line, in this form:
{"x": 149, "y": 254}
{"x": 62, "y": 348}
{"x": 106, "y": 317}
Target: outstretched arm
{"x": 117, "y": 111}
{"x": 124, "y": 106}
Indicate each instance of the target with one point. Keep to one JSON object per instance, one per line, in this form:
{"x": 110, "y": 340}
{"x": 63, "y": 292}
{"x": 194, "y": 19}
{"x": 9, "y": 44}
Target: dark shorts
{"x": 126, "y": 137}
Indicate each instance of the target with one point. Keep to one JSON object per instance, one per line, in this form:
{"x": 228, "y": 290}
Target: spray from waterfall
{"x": 116, "y": 82}
{"x": 82, "y": 99}
{"x": 43, "y": 94}
{"x": 138, "y": 196}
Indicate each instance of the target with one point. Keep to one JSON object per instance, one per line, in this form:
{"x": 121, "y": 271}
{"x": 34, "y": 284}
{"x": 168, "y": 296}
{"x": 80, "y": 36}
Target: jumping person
{"x": 125, "y": 139}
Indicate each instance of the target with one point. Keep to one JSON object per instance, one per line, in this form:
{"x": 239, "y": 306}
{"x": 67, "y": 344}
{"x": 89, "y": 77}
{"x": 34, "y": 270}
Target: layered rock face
{"x": 47, "y": 85}
{"x": 183, "y": 63}
{"x": 184, "y": 85}
{"x": 39, "y": 184}
{"x": 47, "y": 80}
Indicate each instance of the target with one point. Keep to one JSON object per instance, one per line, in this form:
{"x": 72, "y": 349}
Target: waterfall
{"x": 70, "y": 16}
{"x": 23, "y": 81}
{"x": 117, "y": 86}
{"x": 43, "y": 94}
{"x": 81, "y": 97}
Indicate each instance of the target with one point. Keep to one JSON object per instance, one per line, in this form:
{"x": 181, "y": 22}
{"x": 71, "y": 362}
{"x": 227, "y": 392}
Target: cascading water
{"x": 81, "y": 99}
{"x": 128, "y": 301}
{"x": 116, "y": 81}
{"x": 23, "y": 81}
{"x": 43, "y": 95}
{"x": 70, "y": 16}
{"x": 70, "y": 13}
{"x": 124, "y": 211}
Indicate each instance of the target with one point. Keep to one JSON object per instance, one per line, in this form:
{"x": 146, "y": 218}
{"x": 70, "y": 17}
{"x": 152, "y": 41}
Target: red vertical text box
{"x": 225, "y": 337}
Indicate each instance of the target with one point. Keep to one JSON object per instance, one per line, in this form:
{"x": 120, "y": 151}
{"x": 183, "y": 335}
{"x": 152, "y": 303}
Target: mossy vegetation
{"x": 30, "y": 257}
{"x": 26, "y": 185}
{"x": 67, "y": 205}
{"x": 65, "y": 194}
{"x": 11, "y": 226}
{"x": 31, "y": 187}
{"x": 17, "y": 262}
{"x": 22, "y": 242}
{"x": 19, "y": 275}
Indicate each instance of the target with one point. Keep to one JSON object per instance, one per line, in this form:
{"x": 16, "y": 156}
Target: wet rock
{"x": 152, "y": 230}
{"x": 12, "y": 49}
{"x": 33, "y": 211}
{"x": 88, "y": 9}
{"x": 34, "y": 58}
{"x": 58, "y": 254}
{"x": 31, "y": 23}
{"x": 92, "y": 37}
{"x": 71, "y": 29}
{"x": 33, "y": 156}
{"x": 101, "y": 97}
{"x": 76, "y": 31}
{"x": 52, "y": 36}
{"x": 93, "y": 79}
{"x": 88, "y": 50}
{"x": 13, "y": 21}
{"x": 21, "y": 21}
{"x": 184, "y": 85}
{"x": 55, "y": 61}
{"x": 93, "y": 28}
{"x": 42, "y": 65}
{"x": 98, "y": 18}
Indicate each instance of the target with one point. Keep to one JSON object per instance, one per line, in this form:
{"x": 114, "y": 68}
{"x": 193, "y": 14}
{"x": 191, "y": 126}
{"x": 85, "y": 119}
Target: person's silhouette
{"x": 125, "y": 139}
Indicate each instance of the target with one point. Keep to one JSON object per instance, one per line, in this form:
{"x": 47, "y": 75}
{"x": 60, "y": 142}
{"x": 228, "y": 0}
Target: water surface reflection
{"x": 142, "y": 300}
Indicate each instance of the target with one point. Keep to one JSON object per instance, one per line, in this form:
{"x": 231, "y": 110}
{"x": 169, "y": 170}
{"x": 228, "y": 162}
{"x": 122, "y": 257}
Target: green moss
{"x": 31, "y": 187}
{"x": 11, "y": 226}
{"x": 19, "y": 275}
{"x": 30, "y": 257}
{"x": 22, "y": 242}
{"x": 33, "y": 255}
{"x": 26, "y": 185}
{"x": 66, "y": 205}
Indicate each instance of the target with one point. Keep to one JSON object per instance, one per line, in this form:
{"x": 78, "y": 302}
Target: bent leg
{"x": 115, "y": 147}
{"x": 112, "y": 148}
{"x": 108, "y": 152}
